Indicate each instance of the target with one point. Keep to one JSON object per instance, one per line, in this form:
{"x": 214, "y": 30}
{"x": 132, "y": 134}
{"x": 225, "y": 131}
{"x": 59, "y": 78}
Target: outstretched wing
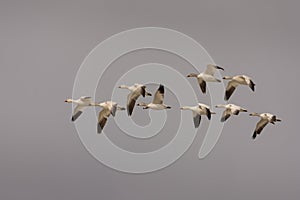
{"x": 113, "y": 109}
{"x": 159, "y": 95}
{"x": 197, "y": 119}
{"x": 210, "y": 69}
{"x": 249, "y": 82}
{"x": 226, "y": 114}
{"x": 143, "y": 90}
{"x": 202, "y": 85}
{"x": 259, "y": 127}
{"x": 252, "y": 85}
{"x": 235, "y": 110}
{"x": 208, "y": 113}
{"x": 131, "y": 99}
{"x": 206, "y": 109}
{"x": 86, "y": 99}
{"x": 102, "y": 118}
{"x": 77, "y": 112}
{"x": 231, "y": 86}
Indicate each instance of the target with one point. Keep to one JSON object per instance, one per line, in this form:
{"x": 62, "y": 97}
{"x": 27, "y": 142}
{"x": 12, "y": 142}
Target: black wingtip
{"x": 208, "y": 114}
{"x": 161, "y": 88}
{"x": 221, "y": 68}
{"x": 99, "y": 129}
{"x": 227, "y": 96}
{"x": 203, "y": 87}
{"x": 168, "y": 107}
{"x": 252, "y": 85}
{"x": 143, "y": 88}
{"x": 129, "y": 113}
{"x": 254, "y": 135}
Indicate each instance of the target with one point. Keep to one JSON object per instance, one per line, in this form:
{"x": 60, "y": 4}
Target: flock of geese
{"x": 137, "y": 90}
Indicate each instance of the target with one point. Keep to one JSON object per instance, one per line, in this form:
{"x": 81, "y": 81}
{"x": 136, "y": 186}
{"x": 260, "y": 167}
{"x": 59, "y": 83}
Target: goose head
{"x": 227, "y": 78}
{"x": 254, "y": 114}
{"x": 141, "y": 104}
{"x": 68, "y": 100}
{"x": 122, "y": 86}
{"x": 192, "y": 75}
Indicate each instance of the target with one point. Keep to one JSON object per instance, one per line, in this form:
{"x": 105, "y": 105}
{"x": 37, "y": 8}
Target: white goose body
{"x": 200, "y": 109}
{"x": 157, "y": 103}
{"x": 82, "y": 103}
{"x": 230, "y": 109}
{"x": 108, "y": 108}
{"x": 136, "y": 91}
{"x": 206, "y": 76}
{"x": 156, "y": 106}
{"x": 235, "y": 81}
{"x": 265, "y": 119}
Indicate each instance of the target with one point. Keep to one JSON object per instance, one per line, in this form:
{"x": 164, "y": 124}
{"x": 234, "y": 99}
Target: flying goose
{"x": 265, "y": 119}
{"x": 136, "y": 91}
{"x": 230, "y": 109}
{"x": 82, "y": 103}
{"x": 108, "y": 107}
{"x": 236, "y": 81}
{"x": 198, "y": 110}
{"x": 206, "y": 76}
{"x": 157, "y": 103}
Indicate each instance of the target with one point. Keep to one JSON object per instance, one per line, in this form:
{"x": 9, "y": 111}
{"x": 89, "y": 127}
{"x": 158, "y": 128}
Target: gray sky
{"x": 42, "y": 47}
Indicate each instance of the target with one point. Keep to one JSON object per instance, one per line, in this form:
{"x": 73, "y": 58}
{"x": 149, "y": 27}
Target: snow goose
{"x": 136, "y": 91}
{"x": 108, "y": 108}
{"x": 230, "y": 109}
{"x": 206, "y": 76}
{"x": 82, "y": 103}
{"x": 265, "y": 119}
{"x": 157, "y": 103}
{"x": 236, "y": 81}
{"x": 200, "y": 109}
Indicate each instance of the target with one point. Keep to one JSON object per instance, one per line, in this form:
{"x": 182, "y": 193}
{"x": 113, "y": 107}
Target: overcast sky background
{"x": 42, "y": 45}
